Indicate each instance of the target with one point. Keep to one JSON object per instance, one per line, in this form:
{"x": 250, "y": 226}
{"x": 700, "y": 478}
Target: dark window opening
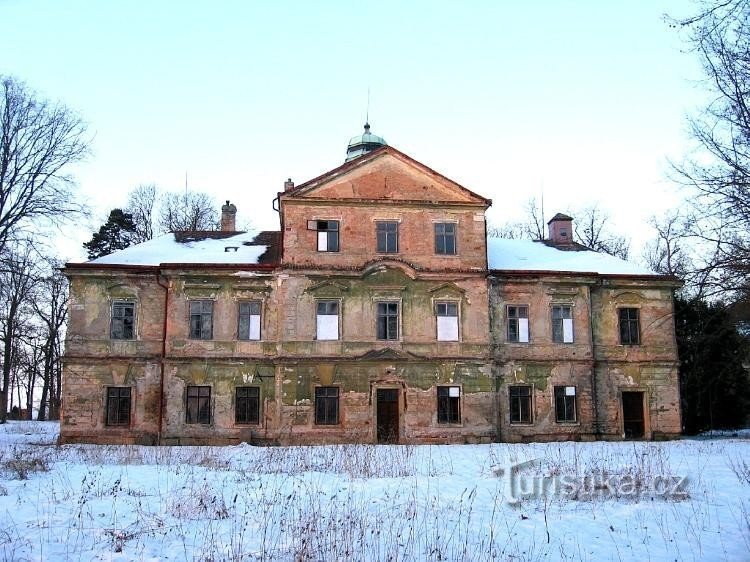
{"x": 565, "y": 403}
{"x": 201, "y": 320}
{"x": 247, "y": 405}
{"x": 387, "y": 318}
{"x": 449, "y": 404}
{"x": 248, "y": 324}
{"x": 630, "y": 333}
{"x": 520, "y": 404}
{"x": 198, "y": 405}
{"x": 445, "y": 238}
{"x": 118, "y": 405}
{"x": 562, "y": 324}
{"x": 328, "y": 235}
{"x": 327, "y": 405}
{"x": 123, "y": 321}
{"x": 518, "y": 324}
{"x": 387, "y": 237}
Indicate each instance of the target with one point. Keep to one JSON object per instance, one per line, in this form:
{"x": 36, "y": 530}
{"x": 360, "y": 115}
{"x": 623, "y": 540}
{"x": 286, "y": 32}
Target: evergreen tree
{"x": 115, "y": 234}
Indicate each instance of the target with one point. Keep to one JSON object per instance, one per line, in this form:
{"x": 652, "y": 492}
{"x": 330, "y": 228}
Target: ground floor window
{"x": 118, "y": 405}
{"x": 449, "y": 404}
{"x": 247, "y": 404}
{"x": 520, "y": 404}
{"x": 565, "y": 403}
{"x": 327, "y": 405}
{"x": 198, "y": 404}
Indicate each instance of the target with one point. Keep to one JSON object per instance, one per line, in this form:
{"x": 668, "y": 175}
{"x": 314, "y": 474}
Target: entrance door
{"x": 632, "y": 415}
{"x": 387, "y": 415}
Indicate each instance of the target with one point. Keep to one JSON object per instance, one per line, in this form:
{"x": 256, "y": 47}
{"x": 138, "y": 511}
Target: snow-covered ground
{"x": 593, "y": 501}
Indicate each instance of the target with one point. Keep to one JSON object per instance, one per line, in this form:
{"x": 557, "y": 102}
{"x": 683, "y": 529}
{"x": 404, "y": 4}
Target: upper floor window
{"x": 248, "y": 323}
{"x": 198, "y": 407}
{"x": 630, "y": 333}
{"x": 447, "y": 321}
{"x": 122, "y": 326}
{"x": 328, "y": 234}
{"x": 562, "y": 324}
{"x": 247, "y": 405}
{"x": 387, "y": 320}
{"x": 201, "y": 320}
{"x": 387, "y": 235}
{"x": 445, "y": 238}
{"x": 327, "y": 320}
{"x": 518, "y": 323}
{"x": 565, "y": 403}
{"x": 118, "y": 405}
{"x": 520, "y": 404}
{"x": 449, "y": 404}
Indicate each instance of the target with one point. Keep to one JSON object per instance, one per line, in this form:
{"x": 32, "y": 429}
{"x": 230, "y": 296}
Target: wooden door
{"x": 632, "y": 415}
{"x": 387, "y": 415}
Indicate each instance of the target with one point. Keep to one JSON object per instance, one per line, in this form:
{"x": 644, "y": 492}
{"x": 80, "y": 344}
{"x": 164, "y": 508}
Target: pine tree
{"x": 115, "y": 234}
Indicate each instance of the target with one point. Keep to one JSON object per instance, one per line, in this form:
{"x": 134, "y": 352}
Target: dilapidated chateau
{"x": 379, "y": 312}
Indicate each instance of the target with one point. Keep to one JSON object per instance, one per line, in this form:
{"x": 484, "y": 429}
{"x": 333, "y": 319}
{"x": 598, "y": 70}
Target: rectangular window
{"x": 447, "y": 321}
{"x": 118, "y": 405}
{"x": 387, "y": 235}
{"x": 247, "y": 405}
{"x": 248, "y": 324}
{"x": 198, "y": 405}
{"x": 630, "y": 332}
{"x": 327, "y": 405}
{"x": 449, "y": 404}
{"x": 387, "y": 314}
{"x": 328, "y": 234}
{"x": 565, "y": 403}
{"x": 445, "y": 238}
{"x": 327, "y": 320}
{"x": 518, "y": 324}
{"x": 520, "y": 404}
{"x": 201, "y": 320}
{"x": 123, "y": 320}
{"x": 562, "y": 324}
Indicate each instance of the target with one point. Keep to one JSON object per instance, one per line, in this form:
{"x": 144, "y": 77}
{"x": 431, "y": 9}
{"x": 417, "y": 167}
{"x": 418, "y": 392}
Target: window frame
{"x": 448, "y": 406}
{"x": 631, "y": 323}
{"x": 329, "y": 396}
{"x": 562, "y": 397}
{"x": 202, "y": 398}
{"x": 387, "y": 236}
{"x": 202, "y": 314}
{"x": 387, "y": 316}
{"x": 558, "y": 334}
{"x": 327, "y": 226}
{"x": 243, "y": 405}
{"x": 338, "y": 304}
{"x": 515, "y": 319}
{"x": 441, "y": 248}
{"x": 447, "y": 304}
{"x": 113, "y": 320}
{"x": 118, "y": 413}
{"x": 249, "y": 304}
{"x": 521, "y": 398}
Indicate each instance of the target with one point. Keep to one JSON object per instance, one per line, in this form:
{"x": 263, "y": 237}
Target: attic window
{"x": 231, "y": 248}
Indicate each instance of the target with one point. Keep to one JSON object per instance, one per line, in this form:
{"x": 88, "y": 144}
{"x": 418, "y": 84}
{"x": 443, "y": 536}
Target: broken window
{"x": 445, "y": 238}
{"x": 565, "y": 403}
{"x": 118, "y": 405}
{"x": 201, "y": 320}
{"x": 327, "y": 405}
{"x": 520, "y": 404}
{"x": 328, "y": 234}
{"x": 247, "y": 405}
{"x": 518, "y": 324}
{"x": 387, "y": 237}
{"x": 449, "y": 404}
{"x": 198, "y": 408}
{"x": 562, "y": 324}
{"x": 327, "y": 320}
{"x": 123, "y": 320}
{"x": 248, "y": 327}
{"x": 630, "y": 333}
{"x": 387, "y": 320}
{"x": 447, "y": 321}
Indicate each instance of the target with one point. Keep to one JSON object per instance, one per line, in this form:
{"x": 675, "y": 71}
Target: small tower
{"x": 561, "y": 230}
{"x": 364, "y": 143}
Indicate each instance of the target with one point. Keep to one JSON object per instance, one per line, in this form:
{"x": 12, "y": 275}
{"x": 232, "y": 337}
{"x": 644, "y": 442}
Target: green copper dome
{"x": 364, "y": 143}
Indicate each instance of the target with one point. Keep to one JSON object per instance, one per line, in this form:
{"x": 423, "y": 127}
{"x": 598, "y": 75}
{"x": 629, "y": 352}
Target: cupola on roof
{"x": 364, "y": 143}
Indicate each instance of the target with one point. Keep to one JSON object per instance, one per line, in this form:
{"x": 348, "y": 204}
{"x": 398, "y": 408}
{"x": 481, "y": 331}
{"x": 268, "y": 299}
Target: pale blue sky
{"x": 587, "y": 99}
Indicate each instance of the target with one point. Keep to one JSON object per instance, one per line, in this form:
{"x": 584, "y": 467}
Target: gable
{"x": 387, "y": 174}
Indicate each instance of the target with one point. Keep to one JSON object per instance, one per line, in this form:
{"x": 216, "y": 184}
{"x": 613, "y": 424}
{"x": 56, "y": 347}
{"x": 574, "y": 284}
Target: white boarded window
{"x": 518, "y": 324}
{"x": 248, "y": 326}
{"x": 328, "y": 234}
{"x": 447, "y": 321}
{"x": 327, "y": 320}
{"x": 562, "y": 324}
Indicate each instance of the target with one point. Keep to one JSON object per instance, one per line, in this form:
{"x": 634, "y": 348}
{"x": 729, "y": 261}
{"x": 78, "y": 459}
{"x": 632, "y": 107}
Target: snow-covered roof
{"x": 527, "y": 255}
{"x": 206, "y": 248}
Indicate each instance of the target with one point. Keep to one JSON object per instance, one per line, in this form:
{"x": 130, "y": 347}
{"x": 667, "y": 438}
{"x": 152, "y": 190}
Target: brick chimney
{"x": 561, "y": 230}
{"x": 288, "y": 185}
{"x": 228, "y": 215}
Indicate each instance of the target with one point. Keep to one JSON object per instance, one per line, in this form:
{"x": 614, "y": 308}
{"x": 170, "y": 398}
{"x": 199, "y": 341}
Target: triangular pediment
{"x": 386, "y": 175}
{"x": 388, "y": 354}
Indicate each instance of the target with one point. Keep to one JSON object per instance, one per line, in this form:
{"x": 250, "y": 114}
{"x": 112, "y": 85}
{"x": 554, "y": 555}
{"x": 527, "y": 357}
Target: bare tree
{"x": 142, "y": 207}
{"x": 38, "y": 141}
{"x": 188, "y": 210}
{"x": 666, "y": 254}
{"x": 531, "y": 228}
{"x": 591, "y": 228}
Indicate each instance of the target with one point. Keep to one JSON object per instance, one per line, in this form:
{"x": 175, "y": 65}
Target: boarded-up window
{"x": 123, "y": 320}
{"x": 328, "y": 234}
{"x": 249, "y": 321}
{"x": 201, "y": 320}
{"x": 520, "y": 404}
{"x": 447, "y": 321}
{"x": 198, "y": 407}
{"x": 327, "y": 320}
{"x": 118, "y": 405}
{"x": 449, "y": 404}
{"x": 630, "y": 333}
{"x": 518, "y": 324}
{"x": 247, "y": 405}
{"x": 562, "y": 324}
{"x": 327, "y": 405}
{"x": 565, "y": 403}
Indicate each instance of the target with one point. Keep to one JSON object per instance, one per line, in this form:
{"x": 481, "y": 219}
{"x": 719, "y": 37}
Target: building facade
{"x": 376, "y": 314}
